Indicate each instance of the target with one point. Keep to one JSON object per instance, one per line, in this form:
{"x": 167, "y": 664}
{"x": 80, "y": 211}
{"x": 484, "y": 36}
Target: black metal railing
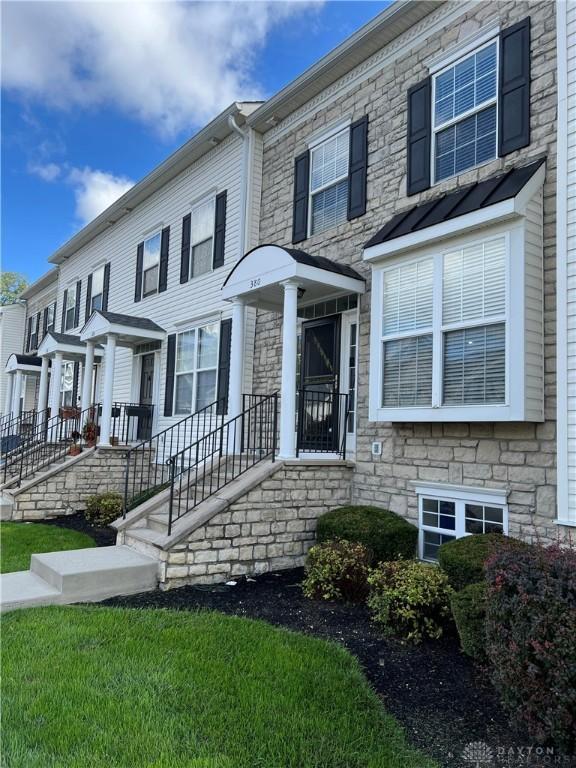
{"x": 13, "y": 430}
{"x": 147, "y": 468}
{"x": 130, "y": 422}
{"x": 203, "y": 468}
{"x": 322, "y": 422}
{"x": 48, "y": 442}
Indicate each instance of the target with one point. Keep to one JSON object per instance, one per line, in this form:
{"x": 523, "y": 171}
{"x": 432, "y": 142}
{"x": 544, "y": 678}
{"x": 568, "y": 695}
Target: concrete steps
{"x": 79, "y": 575}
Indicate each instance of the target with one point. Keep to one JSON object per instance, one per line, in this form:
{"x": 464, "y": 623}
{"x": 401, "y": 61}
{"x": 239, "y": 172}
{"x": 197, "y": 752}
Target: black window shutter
{"x": 139, "y": 269}
{"x": 514, "y": 92}
{"x": 64, "y": 302}
{"x": 77, "y": 305}
{"x": 75, "y": 384}
{"x": 220, "y": 230}
{"x": 28, "y": 334}
{"x": 164, "y": 249}
{"x": 224, "y": 365}
{"x": 300, "y": 206}
{"x": 170, "y": 366}
{"x": 106, "y": 287}
{"x": 45, "y": 322}
{"x": 54, "y": 316}
{"x": 419, "y": 137}
{"x": 87, "y": 312}
{"x": 37, "y": 331}
{"x": 185, "y": 249}
{"x": 357, "y": 168}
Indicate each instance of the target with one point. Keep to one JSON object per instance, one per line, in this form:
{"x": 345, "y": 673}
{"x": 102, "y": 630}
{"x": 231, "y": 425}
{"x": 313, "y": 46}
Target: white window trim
{"x": 311, "y": 194}
{"x": 468, "y": 45}
{"x": 475, "y": 110}
{"x": 198, "y": 204}
{"x": 460, "y": 495}
{"x": 144, "y": 269}
{"x": 195, "y": 370}
{"x": 320, "y": 137}
{"x": 92, "y": 294}
{"x": 513, "y": 408}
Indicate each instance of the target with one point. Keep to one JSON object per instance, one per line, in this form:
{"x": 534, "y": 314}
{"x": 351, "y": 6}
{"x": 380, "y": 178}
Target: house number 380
{"x": 256, "y": 282}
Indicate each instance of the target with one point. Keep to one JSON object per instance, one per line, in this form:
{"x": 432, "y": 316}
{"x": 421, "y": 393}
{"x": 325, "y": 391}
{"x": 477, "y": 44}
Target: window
{"x": 450, "y": 513}
{"x": 443, "y": 328}
{"x": 464, "y": 113}
{"x": 196, "y": 368}
{"x": 51, "y": 317}
{"x": 70, "y": 310}
{"x": 97, "y": 289}
{"x": 202, "y": 238}
{"x": 151, "y": 264}
{"x": 329, "y": 182}
{"x": 67, "y": 385}
{"x": 34, "y": 333}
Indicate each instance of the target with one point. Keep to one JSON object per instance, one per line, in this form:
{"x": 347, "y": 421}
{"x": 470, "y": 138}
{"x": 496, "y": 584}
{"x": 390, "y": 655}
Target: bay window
{"x": 196, "y": 368}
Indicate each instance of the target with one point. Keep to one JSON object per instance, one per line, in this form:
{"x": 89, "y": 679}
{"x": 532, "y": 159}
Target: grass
{"x": 102, "y": 687}
{"x": 20, "y": 540}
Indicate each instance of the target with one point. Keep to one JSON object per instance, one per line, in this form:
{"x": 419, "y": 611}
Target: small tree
{"x": 12, "y": 284}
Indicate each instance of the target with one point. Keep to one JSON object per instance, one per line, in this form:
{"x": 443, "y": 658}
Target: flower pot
{"x": 75, "y": 450}
{"x": 113, "y": 441}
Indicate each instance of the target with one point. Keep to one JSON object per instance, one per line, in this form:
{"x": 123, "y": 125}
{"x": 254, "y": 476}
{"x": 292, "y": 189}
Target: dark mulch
{"x": 443, "y": 701}
{"x": 104, "y": 537}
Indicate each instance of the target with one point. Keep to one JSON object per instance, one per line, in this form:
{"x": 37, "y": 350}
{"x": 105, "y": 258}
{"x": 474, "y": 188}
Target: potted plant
{"x": 75, "y": 448}
{"x": 90, "y": 433}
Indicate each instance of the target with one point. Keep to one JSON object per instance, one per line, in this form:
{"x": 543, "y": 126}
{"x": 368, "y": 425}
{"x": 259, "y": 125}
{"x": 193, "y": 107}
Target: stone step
{"x": 25, "y": 589}
{"x": 158, "y": 522}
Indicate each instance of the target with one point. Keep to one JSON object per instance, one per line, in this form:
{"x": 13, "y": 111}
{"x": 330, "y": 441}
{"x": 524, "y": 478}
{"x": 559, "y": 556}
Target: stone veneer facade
{"x": 520, "y": 457}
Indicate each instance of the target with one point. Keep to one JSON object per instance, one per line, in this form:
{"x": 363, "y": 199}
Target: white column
{"x": 17, "y": 393}
{"x": 56, "y": 379}
{"x": 9, "y": 394}
{"x": 288, "y": 391}
{"x": 236, "y": 358}
{"x": 43, "y": 389}
{"x": 87, "y": 377}
{"x": 108, "y": 394}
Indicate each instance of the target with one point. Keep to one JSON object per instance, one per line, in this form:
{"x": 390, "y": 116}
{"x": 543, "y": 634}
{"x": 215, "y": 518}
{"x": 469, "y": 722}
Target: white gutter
{"x": 245, "y": 136}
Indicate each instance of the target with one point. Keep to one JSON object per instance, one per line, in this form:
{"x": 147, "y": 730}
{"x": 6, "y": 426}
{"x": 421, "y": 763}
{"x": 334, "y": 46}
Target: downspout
{"x": 244, "y": 192}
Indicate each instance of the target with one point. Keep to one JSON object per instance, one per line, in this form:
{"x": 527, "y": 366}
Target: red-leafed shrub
{"x": 531, "y": 639}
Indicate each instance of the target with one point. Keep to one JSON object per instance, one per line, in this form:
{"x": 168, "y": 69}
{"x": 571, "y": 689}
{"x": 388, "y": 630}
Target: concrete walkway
{"x": 78, "y": 575}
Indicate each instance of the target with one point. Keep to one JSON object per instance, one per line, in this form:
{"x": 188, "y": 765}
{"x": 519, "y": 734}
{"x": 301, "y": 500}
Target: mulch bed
{"x": 104, "y": 537}
{"x": 443, "y": 700}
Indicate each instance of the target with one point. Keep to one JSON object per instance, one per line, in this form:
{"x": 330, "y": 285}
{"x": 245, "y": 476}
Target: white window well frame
{"x": 148, "y": 237}
{"x": 454, "y": 60}
{"x": 195, "y": 370}
{"x": 459, "y": 496}
{"x": 314, "y": 145}
{"x": 193, "y": 243}
{"x": 513, "y": 408}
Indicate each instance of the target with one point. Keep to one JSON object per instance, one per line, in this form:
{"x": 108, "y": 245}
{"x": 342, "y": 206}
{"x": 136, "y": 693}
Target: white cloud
{"x": 95, "y": 190}
{"x": 169, "y": 64}
{"x": 47, "y": 171}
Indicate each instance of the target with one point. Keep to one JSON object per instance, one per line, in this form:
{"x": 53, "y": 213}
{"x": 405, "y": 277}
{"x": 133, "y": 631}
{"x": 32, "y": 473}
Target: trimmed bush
{"x": 410, "y": 599}
{"x": 463, "y": 559}
{"x": 386, "y": 535}
{"x": 103, "y": 508}
{"x": 337, "y": 570}
{"x": 469, "y": 613}
{"x": 531, "y": 639}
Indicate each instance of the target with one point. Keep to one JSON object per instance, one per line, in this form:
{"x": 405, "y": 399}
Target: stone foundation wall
{"x": 64, "y": 489}
{"x": 269, "y": 528}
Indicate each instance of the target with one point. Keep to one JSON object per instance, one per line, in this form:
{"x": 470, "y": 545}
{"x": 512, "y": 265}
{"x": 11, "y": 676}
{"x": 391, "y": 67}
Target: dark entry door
{"x": 146, "y": 392}
{"x": 319, "y": 385}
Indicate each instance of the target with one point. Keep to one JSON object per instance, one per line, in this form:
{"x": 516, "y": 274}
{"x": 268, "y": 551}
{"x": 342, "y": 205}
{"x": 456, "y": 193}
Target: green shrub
{"x": 469, "y": 613}
{"x": 103, "y": 508}
{"x": 410, "y": 599}
{"x": 530, "y": 639}
{"x": 463, "y": 559}
{"x": 386, "y": 535}
{"x": 337, "y": 570}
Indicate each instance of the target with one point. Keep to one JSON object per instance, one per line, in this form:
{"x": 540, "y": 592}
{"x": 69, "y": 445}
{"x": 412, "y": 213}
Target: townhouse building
{"x": 362, "y": 281}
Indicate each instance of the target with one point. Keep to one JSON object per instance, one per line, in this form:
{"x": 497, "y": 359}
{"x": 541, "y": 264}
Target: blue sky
{"x": 95, "y": 95}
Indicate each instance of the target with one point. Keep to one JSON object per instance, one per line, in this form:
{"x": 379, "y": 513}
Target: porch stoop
{"x": 263, "y": 520}
{"x": 78, "y": 575}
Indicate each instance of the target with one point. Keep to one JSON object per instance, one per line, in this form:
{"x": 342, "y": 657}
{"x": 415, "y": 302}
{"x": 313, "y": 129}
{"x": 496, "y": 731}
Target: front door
{"x": 146, "y": 393}
{"x": 318, "y": 398}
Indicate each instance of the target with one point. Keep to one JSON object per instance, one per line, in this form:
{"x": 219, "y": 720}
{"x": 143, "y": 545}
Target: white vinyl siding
{"x": 329, "y": 182}
{"x": 464, "y": 112}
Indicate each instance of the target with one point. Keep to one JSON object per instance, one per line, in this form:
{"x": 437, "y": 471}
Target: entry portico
{"x": 282, "y": 280}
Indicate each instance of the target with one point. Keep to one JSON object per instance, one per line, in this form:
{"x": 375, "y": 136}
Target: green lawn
{"x": 124, "y": 688}
{"x": 20, "y": 540}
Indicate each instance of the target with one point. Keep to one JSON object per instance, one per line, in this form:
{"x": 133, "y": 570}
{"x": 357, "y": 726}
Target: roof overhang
{"x": 43, "y": 282}
{"x": 512, "y": 208}
{"x": 259, "y": 275}
{"x": 99, "y": 327}
{"x": 29, "y": 364}
{"x": 71, "y": 347}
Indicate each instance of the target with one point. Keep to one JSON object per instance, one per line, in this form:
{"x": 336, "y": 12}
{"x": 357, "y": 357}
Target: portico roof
{"x": 71, "y": 347}
{"x": 128, "y": 329}
{"x": 25, "y": 363}
{"x": 259, "y": 275}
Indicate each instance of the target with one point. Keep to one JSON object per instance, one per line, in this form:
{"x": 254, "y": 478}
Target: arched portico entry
{"x": 296, "y": 284}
